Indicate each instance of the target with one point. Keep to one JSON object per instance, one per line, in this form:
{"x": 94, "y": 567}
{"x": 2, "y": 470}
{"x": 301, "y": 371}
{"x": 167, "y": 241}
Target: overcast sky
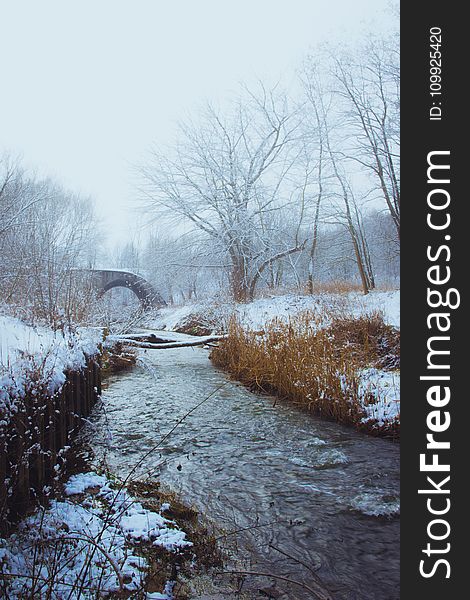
{"x": 89, "y": 85}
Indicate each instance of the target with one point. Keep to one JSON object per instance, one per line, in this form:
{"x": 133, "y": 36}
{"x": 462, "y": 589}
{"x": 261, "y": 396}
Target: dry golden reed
{"x": 314, "y": 366}
{"x": 296, "y": 360}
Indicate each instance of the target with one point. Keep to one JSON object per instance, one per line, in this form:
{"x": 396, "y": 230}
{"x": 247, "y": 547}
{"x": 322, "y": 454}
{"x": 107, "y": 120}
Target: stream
{"x": 324, "y": 494}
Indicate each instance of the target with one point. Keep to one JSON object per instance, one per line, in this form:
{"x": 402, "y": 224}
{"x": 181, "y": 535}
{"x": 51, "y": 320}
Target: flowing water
{"x": 322, "y": 493}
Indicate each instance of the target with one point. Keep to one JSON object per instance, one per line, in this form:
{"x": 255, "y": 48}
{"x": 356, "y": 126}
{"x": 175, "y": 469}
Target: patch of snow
{"x": 89, "y": 546}
{"x": 380, "y": 391}
{"x": 78, "y": 484}
{"x": 169, "y": 318}
{"x": 25, "y": 350}
{"x": 256, "y": 314}
{"x": 388, "y": 303}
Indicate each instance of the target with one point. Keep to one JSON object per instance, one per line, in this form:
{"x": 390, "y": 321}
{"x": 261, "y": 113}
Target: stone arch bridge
{"x": 107, "y": 279}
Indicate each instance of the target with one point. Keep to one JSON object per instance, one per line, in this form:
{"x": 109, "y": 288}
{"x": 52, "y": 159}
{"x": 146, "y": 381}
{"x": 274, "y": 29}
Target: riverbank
{"x": 38, "y": 357}
{"x": 214, "y": 317}
{"x": 346, "y": 371}
{"x": 270, "y": 477}
{"x": 101, "y": 537}
{"x": 49, "y": 383}
{"x": 337, "y": 355}
{"x": 87, "y": 533}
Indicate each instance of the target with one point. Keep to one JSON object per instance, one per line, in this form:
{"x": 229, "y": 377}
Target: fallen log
{"x": 203, "y": 341}
{"x": 140, "y": 337}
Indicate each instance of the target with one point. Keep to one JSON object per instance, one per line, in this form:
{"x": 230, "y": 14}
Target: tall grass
{"x": 296, "y": 360}
{"x": 315, "y": 366}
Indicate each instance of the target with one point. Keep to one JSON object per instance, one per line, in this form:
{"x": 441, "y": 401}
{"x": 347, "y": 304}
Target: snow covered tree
{"x": 226, "y": 177}
{"x": 369, "y": 84}
{"x": 46, "y": 233}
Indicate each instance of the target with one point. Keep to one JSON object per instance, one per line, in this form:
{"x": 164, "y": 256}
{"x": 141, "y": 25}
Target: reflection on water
{"x": 332, "y": 493}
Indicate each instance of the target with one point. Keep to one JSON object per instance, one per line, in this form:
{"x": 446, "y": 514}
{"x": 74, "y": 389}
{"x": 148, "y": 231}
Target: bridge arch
{"x": 107, "y": 279}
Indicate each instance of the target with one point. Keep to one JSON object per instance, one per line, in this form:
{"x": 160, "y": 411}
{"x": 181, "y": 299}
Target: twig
{"x": 318, "y": 582}
{"x": 85, "y": 538}
{"x": 249, "y": 528}
{"x": 297, "y": 560}
{"x": 317, "y": 593}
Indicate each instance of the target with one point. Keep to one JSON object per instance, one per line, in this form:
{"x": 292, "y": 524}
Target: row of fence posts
{"x": 33, "y": 444}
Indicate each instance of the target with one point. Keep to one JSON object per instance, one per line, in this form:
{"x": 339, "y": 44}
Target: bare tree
{"x": 331, "y": 131}
{"x": 370, "y": 87}
{"x": 46, "y": 233}
{"x": 227, "y": 176}
{"x": 182, "y": 266}
{"x": 316, "y": 150}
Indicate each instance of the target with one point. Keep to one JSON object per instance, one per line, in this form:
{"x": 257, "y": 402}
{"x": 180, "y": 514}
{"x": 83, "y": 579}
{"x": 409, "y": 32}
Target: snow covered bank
{"x": 257, "y": 313}
{"x": 340, "y": 362}
{"x": 378, "y": 388}
{"x": 87, "y": 543}
{"x": 379, "y": 391}
{"x": 39, "y": 357}
{"x": 49, "y": 382}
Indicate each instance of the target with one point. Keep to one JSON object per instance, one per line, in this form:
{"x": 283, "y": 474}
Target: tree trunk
{"x": 238, "y": 279}
{"x": 269, "y": 262}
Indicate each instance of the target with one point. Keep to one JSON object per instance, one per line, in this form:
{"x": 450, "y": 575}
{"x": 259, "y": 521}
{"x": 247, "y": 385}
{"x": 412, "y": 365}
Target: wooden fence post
{"x": 97, "y": 364}
{"x": 72, "y": 403}
{"x": 3, "y": 482}
{"x": 18, "y": 463}
{"x": 89, "y": 378}
{"x": 51, "y": 424}
{"x": 37, "y": 467}
{"x": 61, "y": 421}
{"x": 41, "y": 427}
{"x": 81, "y": 409}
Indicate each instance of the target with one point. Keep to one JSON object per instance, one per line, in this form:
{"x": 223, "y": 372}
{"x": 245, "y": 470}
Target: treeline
{"x": 188, "y": 268}
{"x": 275, "y": 190}
{"x": 281, "y": 189}
{"x": 46, "y": 234}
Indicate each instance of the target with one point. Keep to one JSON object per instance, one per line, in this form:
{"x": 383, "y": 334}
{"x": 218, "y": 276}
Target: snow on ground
{"x": 89, "y": 545}
{"x": 388, "y": 303}
{"x": 25, "y": 349}
{"x": 257, "y": 313}
{"x": 172, "y": 316}
{"x": 380, "y": 393}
